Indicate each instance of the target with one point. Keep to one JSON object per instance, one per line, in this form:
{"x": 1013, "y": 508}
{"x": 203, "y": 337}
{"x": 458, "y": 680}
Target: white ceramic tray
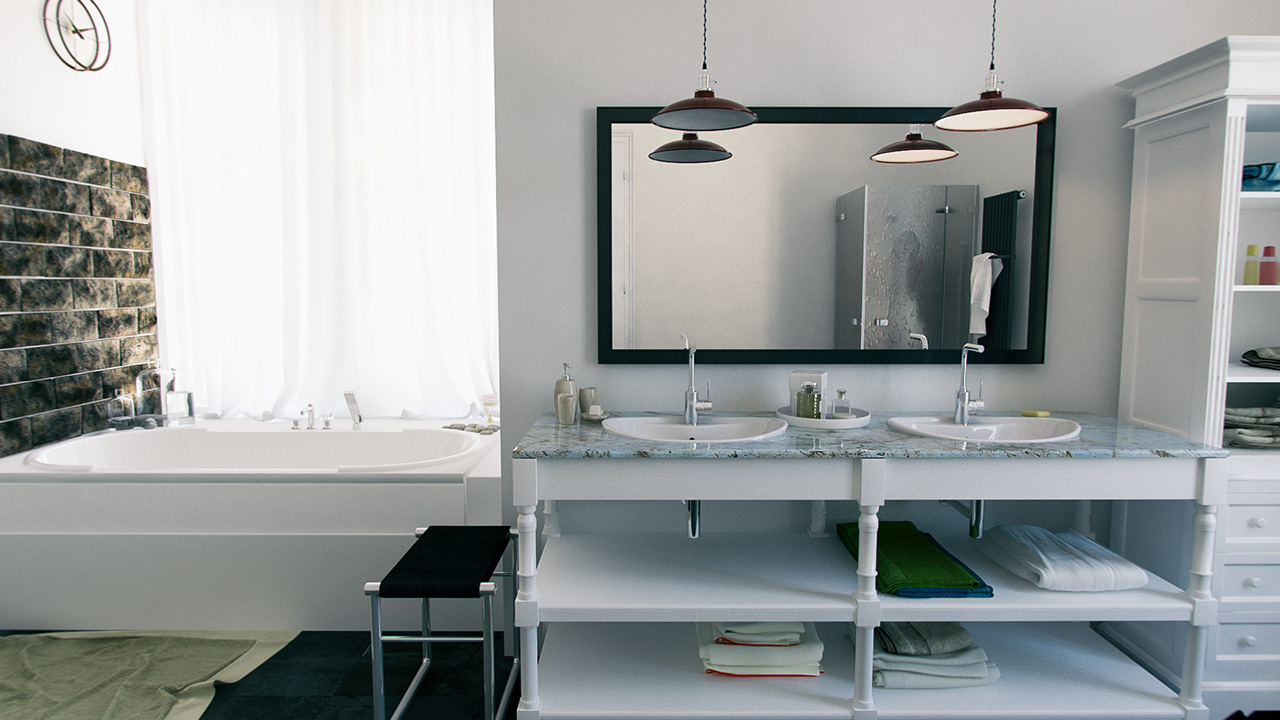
{"x": 859, "y": 419}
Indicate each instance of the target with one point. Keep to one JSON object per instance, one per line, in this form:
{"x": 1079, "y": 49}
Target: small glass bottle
{"x": 1267, "y": 269}
{"x": 809, "y": 402}
{"x": 840, "y": 407}
{"x": 1250, "y": 265}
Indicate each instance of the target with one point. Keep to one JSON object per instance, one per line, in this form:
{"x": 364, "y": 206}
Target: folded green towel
{"x": 912, "y": 564}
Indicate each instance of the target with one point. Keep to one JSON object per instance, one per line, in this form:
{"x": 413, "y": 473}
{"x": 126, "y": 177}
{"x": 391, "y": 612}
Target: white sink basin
{"x": 710, "y": 428}
{"x": 990, "y": 429}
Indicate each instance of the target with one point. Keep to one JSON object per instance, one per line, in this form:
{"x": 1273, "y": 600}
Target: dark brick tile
{"x": 94, "y": 417}
{"x": 85, "y": 168}
{"x": 97, "y": 355}
{"x": 4, "y": 151}
{"x": 70, "y": 262}
{"x": 112, "y": 264}
{"x": 74, "y": 326}
{"x": 24, "y": 329}
{"x": 146, "y": 320}
{"x": 142, "y": 265}
{"x": 140, "y": 349}
{"x": 34, "y": 226}
{"x": 13, "y": 366}
{"x": 128, "y": 177}
{"x": 19, "y": 190}
{"x": 132, "y": 236}
{"x": 120, "y": 378}
{"x": 90, "y": 232}
{"x": 117, "y": 323}
{"x": 46, "y": 295}
{"x": 93, "y": 294}
{"x": 10, "y": 294}
{"x": 54, "y": 426}
{"x": 8, "y": 231}
{"x": 22, "y": 260}
{"x": 135, "y": 293}
{"x": 141, "y": 205}
{"x": 78, "y": 389}
{"x": 64, "y": 196}
{"x": 51, "y": 361}
{"x": 26, "y": 399}
{"x": 15, "y": 436}
{"x": 35, "y": 157}
{"x": 108, "y": 203}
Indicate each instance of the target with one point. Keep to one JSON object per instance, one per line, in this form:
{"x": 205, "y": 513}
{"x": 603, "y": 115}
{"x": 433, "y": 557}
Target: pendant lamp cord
{"x": 704, "y": 36}
{"x": 993, "y": 35}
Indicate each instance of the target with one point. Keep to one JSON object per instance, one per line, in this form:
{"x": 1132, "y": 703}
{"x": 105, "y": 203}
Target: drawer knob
{"x": 1248, "y": 641}
{"x": 1258, "y": 522}
{"x": 1253, "y": 582}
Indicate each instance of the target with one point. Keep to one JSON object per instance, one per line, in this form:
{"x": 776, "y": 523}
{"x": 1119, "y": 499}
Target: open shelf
{"x": 653, "y": 577}
{"x": 1238, "y": 372}
{"x": 651, "y": 670}
{"x": 1260, "y": 200}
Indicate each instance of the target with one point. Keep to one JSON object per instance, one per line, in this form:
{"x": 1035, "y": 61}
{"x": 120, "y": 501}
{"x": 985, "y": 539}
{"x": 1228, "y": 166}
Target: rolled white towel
{"x": 1065, "y": 561}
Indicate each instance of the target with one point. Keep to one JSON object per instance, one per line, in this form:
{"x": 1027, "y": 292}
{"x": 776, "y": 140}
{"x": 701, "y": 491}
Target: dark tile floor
{"x": 327, "y": 676}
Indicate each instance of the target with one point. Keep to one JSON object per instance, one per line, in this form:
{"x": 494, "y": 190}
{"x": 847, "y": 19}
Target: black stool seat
{"x": 448, "y": 561}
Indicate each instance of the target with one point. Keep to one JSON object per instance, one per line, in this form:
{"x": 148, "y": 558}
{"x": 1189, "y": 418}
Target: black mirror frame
{"x": 1042, "y": 221}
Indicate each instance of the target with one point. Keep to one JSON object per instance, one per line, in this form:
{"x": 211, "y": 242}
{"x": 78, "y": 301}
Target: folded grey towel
{"x": 1255, "y": 412}
{"x": 922, "y": 638}
{"x": 1245, "y": 438}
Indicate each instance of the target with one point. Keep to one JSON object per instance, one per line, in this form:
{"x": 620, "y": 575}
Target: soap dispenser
{"x": 564, "y": 386}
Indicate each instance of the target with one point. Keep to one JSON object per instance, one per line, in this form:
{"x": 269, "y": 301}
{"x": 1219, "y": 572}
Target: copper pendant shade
{"x": 914, "y": 149}
{"x": 690, "y": 149}
{"x": 704, "y": 111}
{"x": 991, "y": 111}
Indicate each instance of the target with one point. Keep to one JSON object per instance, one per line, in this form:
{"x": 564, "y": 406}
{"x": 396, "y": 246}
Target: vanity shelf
{"x": 651, "y": 670}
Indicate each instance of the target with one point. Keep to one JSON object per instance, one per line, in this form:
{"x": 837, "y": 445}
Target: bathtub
{"x": 233, "y": 524}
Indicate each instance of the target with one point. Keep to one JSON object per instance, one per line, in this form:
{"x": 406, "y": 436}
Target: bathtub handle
{"x": 310, "y": 412}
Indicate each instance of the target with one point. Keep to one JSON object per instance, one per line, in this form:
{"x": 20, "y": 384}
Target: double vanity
{"x": 606, "y": 617}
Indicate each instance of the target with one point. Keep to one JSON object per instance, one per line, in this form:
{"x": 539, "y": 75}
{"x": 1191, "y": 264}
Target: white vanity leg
{"x": 1084, "y": 519}
{"x": 550, "y": 519}
{"x": 818, "y": 519}
{"x": 526, "y": 604}
{"x": 1204, "y": 611}
{"x": 868, "y": 616}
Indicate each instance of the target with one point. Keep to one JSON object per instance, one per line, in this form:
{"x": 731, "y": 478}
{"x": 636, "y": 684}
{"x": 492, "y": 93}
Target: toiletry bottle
{"x": 1267, "y": 267}
{"x": 809, "y": 402}
{"x": 564, "y": 385}
{"x": 840, "y": 407}
{"x": 1250, "y": 265}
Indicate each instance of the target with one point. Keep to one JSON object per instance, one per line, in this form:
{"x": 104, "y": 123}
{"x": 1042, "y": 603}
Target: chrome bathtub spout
{"x": 965, "y": 406}
{"x": 310, "y": 412}
{"x": 354, "y": 408}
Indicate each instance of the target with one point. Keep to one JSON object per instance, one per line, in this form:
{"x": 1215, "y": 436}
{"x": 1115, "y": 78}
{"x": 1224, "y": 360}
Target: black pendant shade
{"x": 690, "y": 149}
{"x": 704, "y": 111}
{"x": 991, "y": 111}
{"x": 914, "y": 149}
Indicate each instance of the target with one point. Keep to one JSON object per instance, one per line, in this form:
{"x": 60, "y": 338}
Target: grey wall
{"x": 77, "y": 302}
{"x": 558, "y": 59}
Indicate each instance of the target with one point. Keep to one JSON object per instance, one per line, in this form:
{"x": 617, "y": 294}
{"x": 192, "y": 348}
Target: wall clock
{"x": 78, "y": 33}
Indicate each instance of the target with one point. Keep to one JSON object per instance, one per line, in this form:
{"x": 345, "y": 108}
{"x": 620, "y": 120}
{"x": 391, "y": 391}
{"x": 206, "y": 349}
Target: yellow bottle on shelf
{"x": 1250, "y": 265}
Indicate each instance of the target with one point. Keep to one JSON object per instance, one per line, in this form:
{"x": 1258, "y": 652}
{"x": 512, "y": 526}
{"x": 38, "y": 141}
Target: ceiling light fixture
{"x": 915, "y": 149}
{"x": 991, "y": 111}
{"x": 690, "y": 149}
{"x": 704, "y": 111}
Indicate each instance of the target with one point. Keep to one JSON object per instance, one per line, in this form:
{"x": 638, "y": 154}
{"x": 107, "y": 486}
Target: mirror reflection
{"x": 801, "y": 249}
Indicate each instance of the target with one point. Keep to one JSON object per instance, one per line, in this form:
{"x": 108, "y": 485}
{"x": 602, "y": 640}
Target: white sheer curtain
{"x": 323, "y": 191}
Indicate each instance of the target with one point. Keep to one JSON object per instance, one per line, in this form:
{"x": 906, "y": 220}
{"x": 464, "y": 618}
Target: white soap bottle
{"x": 564, "y": 385}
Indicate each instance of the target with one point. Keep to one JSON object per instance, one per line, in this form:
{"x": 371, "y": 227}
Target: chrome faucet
{"x": 691, "y": 403}
{"x": 965, "y": 406}
{"x": 354, "y": 407}
{"x": 310, "y": 412}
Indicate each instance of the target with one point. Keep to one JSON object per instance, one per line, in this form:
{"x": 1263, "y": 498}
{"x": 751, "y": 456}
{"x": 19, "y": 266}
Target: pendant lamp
{"x": 704, "y": 111}
{"x": 991, "y": 111}
{"x": 690, "y": 149}
{"x": 915, "y": 149}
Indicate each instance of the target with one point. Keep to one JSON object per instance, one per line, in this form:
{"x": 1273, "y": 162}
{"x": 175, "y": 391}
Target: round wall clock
{"x": 78, "y": 34}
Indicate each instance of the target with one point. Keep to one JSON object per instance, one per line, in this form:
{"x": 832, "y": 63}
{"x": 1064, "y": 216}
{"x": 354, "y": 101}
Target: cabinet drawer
{"x": 1251, "y": 522}
{"x": 1255, "y": 583}
{"x": 1249, "y": 640}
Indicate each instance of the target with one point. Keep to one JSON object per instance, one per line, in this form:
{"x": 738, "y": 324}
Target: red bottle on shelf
{"x": 1267, "y": 268}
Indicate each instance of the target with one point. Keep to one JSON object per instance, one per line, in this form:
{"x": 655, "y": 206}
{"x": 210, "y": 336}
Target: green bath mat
{"x": 124, "y": 675}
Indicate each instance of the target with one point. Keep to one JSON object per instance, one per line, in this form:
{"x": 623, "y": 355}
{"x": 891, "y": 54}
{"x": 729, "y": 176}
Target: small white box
{"x": 799, "y": 378}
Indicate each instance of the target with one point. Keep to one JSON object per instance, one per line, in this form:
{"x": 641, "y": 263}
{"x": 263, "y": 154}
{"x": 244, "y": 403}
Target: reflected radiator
{"x": 1000, "y": 236}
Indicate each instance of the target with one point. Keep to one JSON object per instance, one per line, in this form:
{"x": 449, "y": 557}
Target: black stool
{"x": 446, "y": 561}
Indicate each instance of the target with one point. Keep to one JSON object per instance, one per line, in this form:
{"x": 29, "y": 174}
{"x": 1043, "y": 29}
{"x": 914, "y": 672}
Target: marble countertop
{"x": 1100, "y": 437}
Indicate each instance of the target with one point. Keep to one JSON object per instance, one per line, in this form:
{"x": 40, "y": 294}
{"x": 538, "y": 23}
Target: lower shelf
{"x": 651, "y": 670}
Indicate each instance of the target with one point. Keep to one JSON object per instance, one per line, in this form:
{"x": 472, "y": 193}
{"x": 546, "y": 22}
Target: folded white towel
{"x": 901, "y": 679}
{"x": 986, "y": 268}
{"x": 760, "y": 633}
{"x": 948, "y": 664}
{"x": 1059, "y": 561}
{"x": 812, "y": 670}
{"x": 806, "y": 652}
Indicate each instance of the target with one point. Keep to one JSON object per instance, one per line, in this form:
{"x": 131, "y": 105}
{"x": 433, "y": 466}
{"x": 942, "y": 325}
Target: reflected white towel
{"x": 1059, "y": 561}
{"x": 760, "y": 633}
{"x": 806, "y": 652}
{"x": 902, "y": 679}
{"x": 986, "y": 268}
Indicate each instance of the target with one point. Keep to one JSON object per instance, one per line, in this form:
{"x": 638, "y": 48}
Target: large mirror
{"x": 801, "y": 250}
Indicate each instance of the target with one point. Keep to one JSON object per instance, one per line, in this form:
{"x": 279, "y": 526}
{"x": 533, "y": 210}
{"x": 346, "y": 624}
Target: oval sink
{"x": 712, "y": 428}
{"x": 990, "y": 429}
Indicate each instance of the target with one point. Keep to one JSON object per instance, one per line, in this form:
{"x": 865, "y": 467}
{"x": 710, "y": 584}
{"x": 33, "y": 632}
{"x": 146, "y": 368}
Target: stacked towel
{"x": 1059, "y": 561}
{"x": 802, "y": 657}
{"x": 758, "y": 633}
{"x": 1256, "y": 427}
{"x": 922, "y": 638}
{"x": 966, "y": 666}
{"x": 1267, "y": 357}
{"x": 910, "y": 563}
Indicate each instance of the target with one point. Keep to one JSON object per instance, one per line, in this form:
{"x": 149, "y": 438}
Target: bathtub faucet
{"x": 354, "y": 407}
{"x": 310, "y": 412}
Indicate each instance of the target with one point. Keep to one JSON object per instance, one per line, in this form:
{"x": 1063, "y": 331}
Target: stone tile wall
{"x": 77, "y": 298}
